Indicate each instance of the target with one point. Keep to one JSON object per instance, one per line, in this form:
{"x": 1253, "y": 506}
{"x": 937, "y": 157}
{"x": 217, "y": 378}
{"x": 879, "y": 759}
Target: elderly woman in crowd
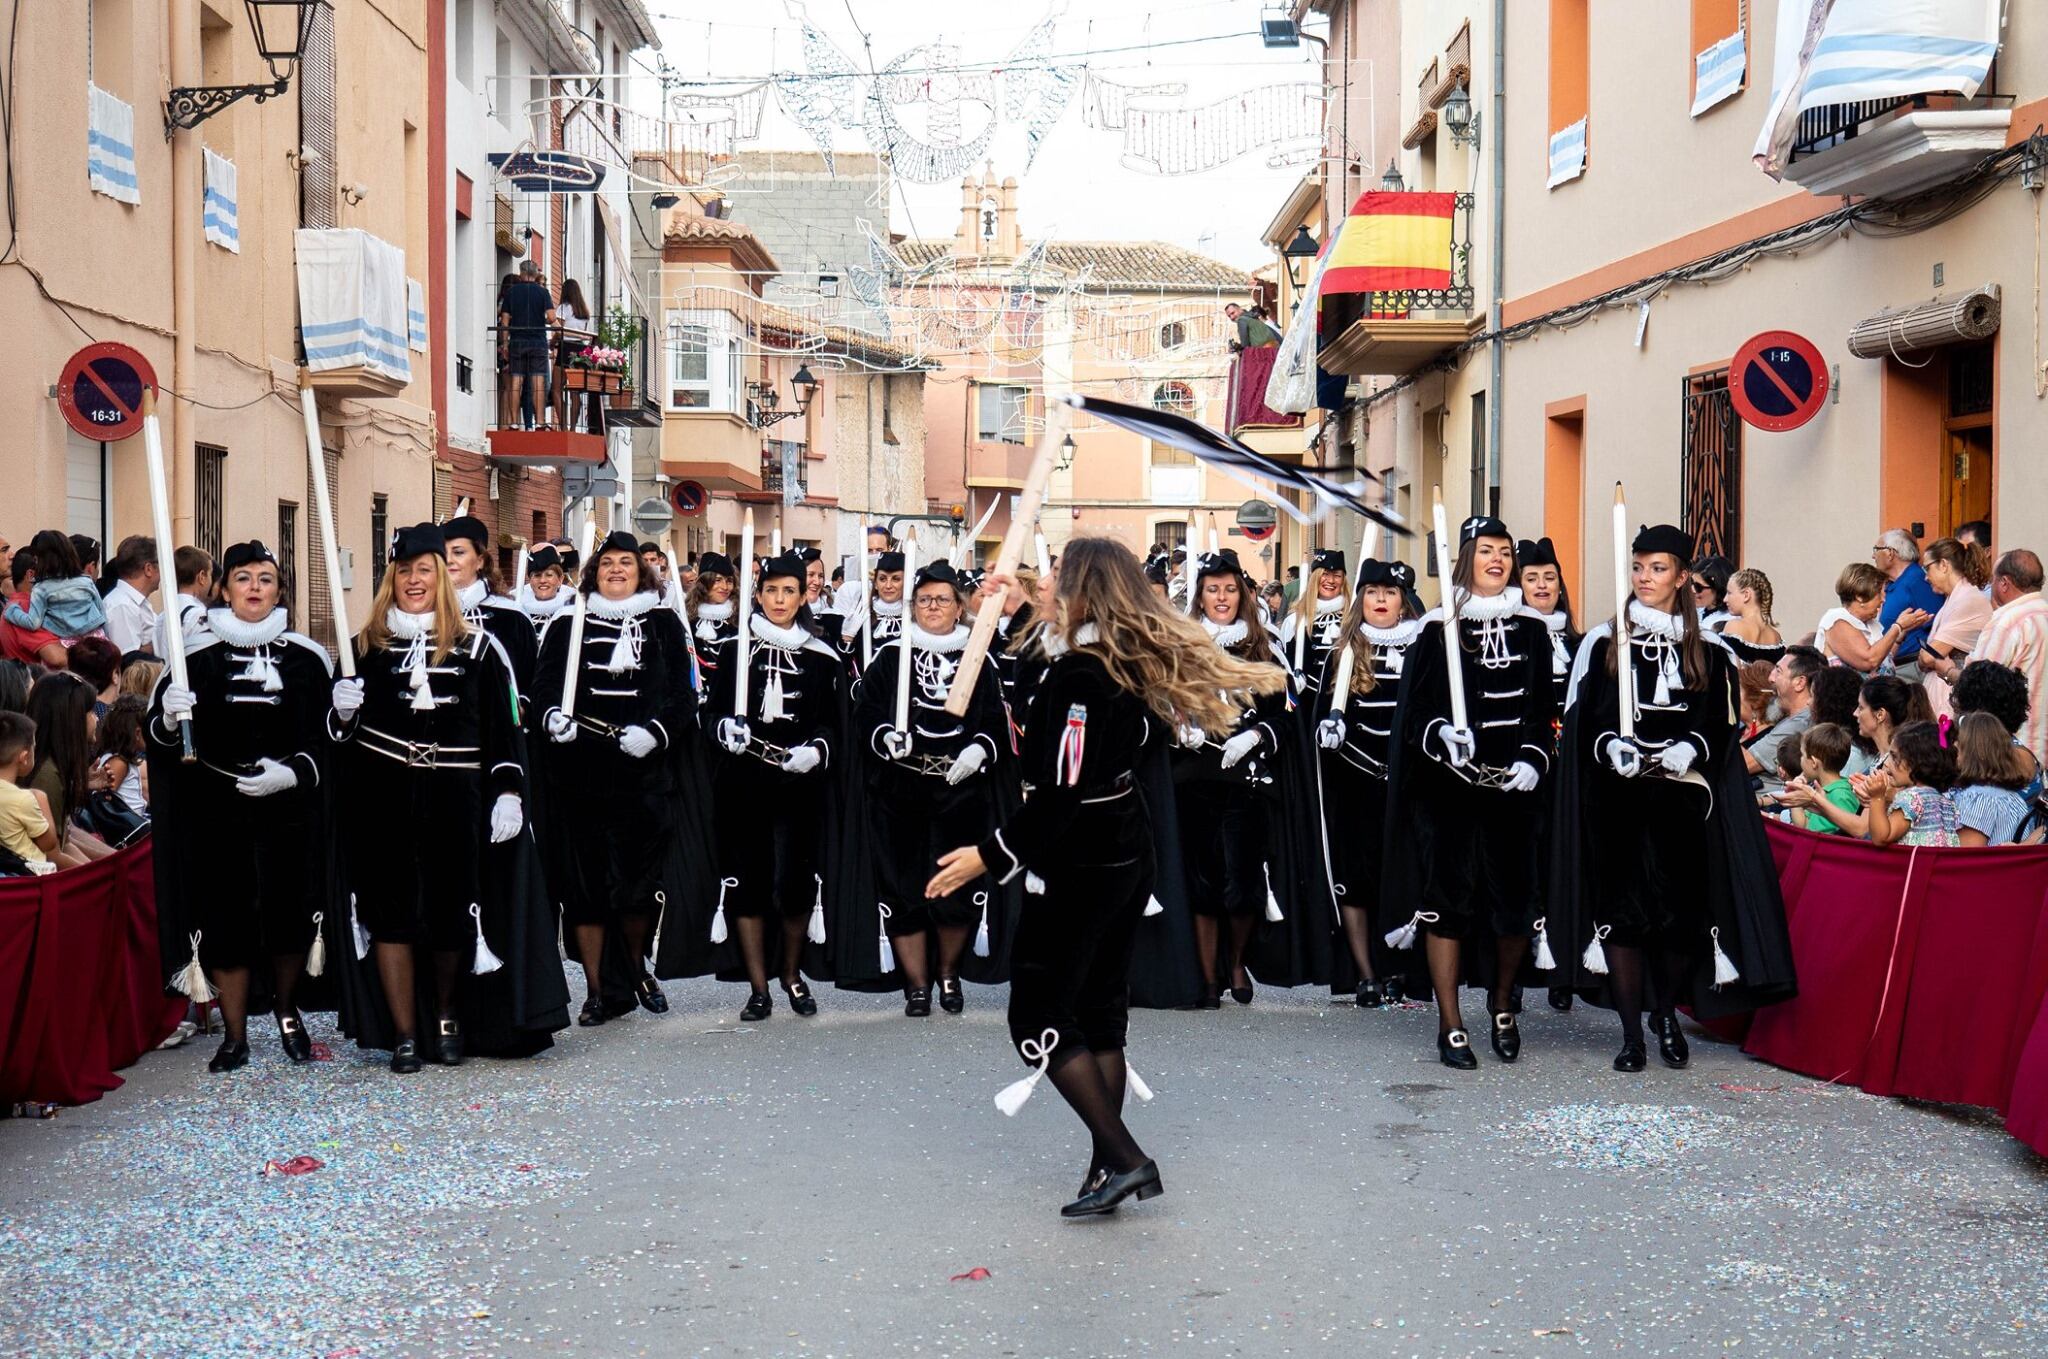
{"x": 1958, "y": 571}
{"x": 1850, "y": 634}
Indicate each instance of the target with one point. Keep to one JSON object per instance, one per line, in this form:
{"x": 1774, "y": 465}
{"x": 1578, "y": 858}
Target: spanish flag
{"x": 1392, "y": 242}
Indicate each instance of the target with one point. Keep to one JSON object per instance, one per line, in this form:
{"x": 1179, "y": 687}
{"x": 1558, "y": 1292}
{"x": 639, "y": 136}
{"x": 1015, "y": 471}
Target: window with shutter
{"x": 318, "y": 199}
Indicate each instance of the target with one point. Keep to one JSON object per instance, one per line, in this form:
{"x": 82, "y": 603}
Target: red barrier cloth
{"x": 80, "y": 994}
{"x": 1250, "y": 371}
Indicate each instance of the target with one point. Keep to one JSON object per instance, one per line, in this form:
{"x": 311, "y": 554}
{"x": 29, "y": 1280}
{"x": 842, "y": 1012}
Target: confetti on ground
{"x": 1734, "y": 1089}
{"x": 975, "y": 1275}
{"x": 1625, "y": 1136}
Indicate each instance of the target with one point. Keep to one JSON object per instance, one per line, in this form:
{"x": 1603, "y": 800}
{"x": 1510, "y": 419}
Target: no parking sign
{"x": 1777, "y": 381}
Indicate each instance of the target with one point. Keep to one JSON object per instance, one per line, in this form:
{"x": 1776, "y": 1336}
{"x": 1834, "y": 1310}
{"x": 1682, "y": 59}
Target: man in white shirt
{"x": 131, "y": 622}
{"x": 2017, "y": 635}
{"x": 195, "y": 588}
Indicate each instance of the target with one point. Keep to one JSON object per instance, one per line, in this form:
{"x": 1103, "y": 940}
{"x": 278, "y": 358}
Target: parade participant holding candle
{"x": 620, "y": 699}
{"x": 1473, "y": 736}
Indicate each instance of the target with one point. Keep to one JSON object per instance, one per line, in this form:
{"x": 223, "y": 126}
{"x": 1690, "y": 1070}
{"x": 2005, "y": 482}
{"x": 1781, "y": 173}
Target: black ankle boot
{"x": 1671, "y": 1044}
{"x": 1454, "y": 1050}
{"x": 293, "y": 1038}
{"x": 1507, "y": 1037}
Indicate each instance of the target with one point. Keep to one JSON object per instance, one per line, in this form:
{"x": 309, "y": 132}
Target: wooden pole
{"x": 323, "y": 512}
{"x": 1029, "y": 501}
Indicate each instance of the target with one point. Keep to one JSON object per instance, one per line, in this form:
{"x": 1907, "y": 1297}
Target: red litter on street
{"x": 297, "y": 1165}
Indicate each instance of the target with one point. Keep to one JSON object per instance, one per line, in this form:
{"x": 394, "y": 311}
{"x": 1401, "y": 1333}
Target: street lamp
{"x": 1302, "y": 247}
{"x": 1066, "y": 462}
{"x": 1461, "y": 120}
{"x": 1391, "y": 181}
{"x": 281, "y": 28}
{"x": 803, "y": 386}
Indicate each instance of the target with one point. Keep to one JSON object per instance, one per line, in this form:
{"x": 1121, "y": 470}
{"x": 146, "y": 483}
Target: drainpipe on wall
{"x": 1497, "y": 347}
{"x": 185, "y": 232}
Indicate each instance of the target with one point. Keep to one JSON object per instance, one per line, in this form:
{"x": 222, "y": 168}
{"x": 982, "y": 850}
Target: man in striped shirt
{"x": 2017, "y": 635}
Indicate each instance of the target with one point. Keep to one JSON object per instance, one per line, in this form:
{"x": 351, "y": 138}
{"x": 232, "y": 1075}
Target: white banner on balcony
{"x": 1567, "y": 154}
{"x": 352, "y": 302}
{"x": 110, "y": 146}
{"x": 220, "y": 218}
{"x": 1829, "y": 53}
{"x": 416, "y": 315}
{"x": 1717, "y": 73}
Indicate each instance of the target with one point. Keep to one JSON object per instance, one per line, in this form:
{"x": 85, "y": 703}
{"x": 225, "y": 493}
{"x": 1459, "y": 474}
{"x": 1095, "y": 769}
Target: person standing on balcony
{"x": 570, "y": 322}
{"x": 1253, "y": 331}
{"x": 524, "y": 318}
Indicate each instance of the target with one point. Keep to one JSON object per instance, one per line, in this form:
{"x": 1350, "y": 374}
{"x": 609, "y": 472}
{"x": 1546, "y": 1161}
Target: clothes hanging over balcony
{"x": 352, "y": 303}
{"x": 110, "y": 146}
{"x": 220, "y": 218}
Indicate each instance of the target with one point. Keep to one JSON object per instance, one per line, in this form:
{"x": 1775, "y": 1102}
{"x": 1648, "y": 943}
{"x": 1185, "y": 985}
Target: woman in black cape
{"x": 431, "y": 766}
{"x": 610, "y": 763}
{"x": 241, "y": 834}
{"x": 1461, "y": 873}
{"x": 1543, "y": 590}
{"x": 1124, "y": 672}
{"x": 1678, "y": 904}
{"x": 712, "y": 610}
{"x": 473, "y": 569}
{"x": 1319, "y": 614}
{"x": 1380, "y": 626}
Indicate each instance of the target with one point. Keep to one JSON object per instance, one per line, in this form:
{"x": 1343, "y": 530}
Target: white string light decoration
{"x": 1283, "y": 119}
{"x": 1107, "y": 104}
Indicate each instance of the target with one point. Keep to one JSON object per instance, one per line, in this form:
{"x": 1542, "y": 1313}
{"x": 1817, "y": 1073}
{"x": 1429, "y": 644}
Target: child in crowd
{"x": 26, "y": 829}
{"x": 1910, "y": 803}
{"x": 1990, "y": 771}
{"x": 64, "y": 600}
{"x": 1821, "y": 752}
{"x": 119, "y": 763}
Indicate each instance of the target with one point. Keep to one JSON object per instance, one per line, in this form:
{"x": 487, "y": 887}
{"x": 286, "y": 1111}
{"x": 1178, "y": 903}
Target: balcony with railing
{"x": 1896, "y": 145}
{"x": 603, "y": 384}
{"x": 1398, "y": 293}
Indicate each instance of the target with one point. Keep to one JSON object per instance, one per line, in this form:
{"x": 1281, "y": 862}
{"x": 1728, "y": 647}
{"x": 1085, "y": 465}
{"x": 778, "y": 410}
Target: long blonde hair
{"x": 1304, "y": 609}
{"x": 1161, "y": 656}
{"x": 449, "y": 629}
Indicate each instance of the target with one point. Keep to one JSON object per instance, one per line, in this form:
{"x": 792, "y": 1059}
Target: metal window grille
{"x": 1482, "y": 501}
{"x": 288, "y": 551}
{"x": 380, "y": 538}
{"x": 319, "y": 599}
{"x": 210, "y": 475}
{"x": 1710, "y": 467}
{"x": 1970, "y": 381}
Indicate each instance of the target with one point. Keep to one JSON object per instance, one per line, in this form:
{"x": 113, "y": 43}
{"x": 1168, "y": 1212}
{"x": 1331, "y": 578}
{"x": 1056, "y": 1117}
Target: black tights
{"x": 753, "y": 933}
{"x": 395, "y": 969}
{"x": 913, "y": 954}
{"x": 1092, "y": 1084}
{"x": 1626, "y": 964}
{"x": 590, "y": 947}
{"x": 1210, "y": 942}
{"x": 1358, "y": 934}
{"x": 232, "y": 985}
{"x": 1444, "y": 954}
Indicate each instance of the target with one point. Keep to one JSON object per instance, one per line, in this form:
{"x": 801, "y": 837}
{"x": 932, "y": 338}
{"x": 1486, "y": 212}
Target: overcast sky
{"x": 1077, "y": 189}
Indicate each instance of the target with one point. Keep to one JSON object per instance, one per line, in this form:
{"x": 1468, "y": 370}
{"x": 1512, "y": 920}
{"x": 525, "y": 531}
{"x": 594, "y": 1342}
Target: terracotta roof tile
{"x": 1114, "y": 264}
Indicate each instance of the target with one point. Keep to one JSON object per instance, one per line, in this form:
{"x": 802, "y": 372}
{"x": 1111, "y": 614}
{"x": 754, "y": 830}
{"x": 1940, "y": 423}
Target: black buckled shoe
{"x": 1454, "y": 1050}
{"x": 1507, "y": 1037}
{"x": 801, "y": 1001}
{"x": 231, "y": 1056}
{"x": 917, "y": 1002}
{"x": 1671, "y": 1044}
{"x": 293, "y": 1038}
{"x": 759, "y": 1006}
{"x": 1370, "y": 995}
{"x": 448, "y": 1043}
{"x": 951, "y": 998}
{"x": 1630, "y": 1058}
{"x": 1107, "y": 1189}
{"x": 1561, "y": 999}
{"x": 593, "y": 1013}
{"x": 652, "y": 998}
{"x": 405, "y": 1057}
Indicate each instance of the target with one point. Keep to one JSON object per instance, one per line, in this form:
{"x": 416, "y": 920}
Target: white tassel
{"x": 1137, "y": 1082}
{"x": 356, "y": 930}
{"x": 191, "y": 978}
{"x": 815, "y": 932}
{"x": 718, "y": 916}
{"x": 1546, "y": 961}
{"x": 1012, "y": 1096}
{"x": 267, "y": 668}
{"x": 1394, "y": 661}
{"x": 1273, "y": 915}
{"x": 884, "y": 949}
{"x": 981, "y": 932}
{"x": 1034, "y": 884}
{"x": 1594, "y": 960}
{"x": 660, "y": 915}
{"x": 1724, "y": 966}
{"x": 626, "y": 650}
{"x": 316, "y": 956}
{"x": 1404, "y": 937}
{"x": 486, "y": 961}
{"x": 1153, "y": 906}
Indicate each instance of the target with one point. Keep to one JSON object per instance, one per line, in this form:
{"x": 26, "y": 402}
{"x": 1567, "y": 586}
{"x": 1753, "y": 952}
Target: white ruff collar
{"x": 888, "y": 609}
{"x": 533, "y": 606}
{"x": 1225, "y": 635}
{"x": 472, "y": 595}
{"x": 612, "y": 610}
{"x": 1328, "y": 606}
{"x": 1483, "y": 609}
{"x": 789, "y": 639}
{"x": 1056, "y": 645}
{"x": 945, "y": 643}
{"x": 1643, "y": 618}
{"x": 235, "y": 632}
{"x": 1556, "y": 622}
{"x": 1401, "y": 634}
{"x": 406, "y": 626}
{"x": 717, "y": 613}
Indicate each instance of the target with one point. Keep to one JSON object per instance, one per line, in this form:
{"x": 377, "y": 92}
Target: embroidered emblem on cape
{"x": 1066, "y": 768}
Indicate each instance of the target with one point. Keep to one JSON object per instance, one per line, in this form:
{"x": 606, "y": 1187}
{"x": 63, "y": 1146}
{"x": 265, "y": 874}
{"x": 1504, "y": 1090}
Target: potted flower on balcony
{"x": 620, "y": 332}
{"x": 595, "y": 368}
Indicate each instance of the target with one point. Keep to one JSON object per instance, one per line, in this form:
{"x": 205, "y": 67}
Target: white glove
{"x": 1191, "y": 737}
{"x": 733, "y": 734}
{"x": 637, "y": 742}
{"x": 348, "y": 697}
{"x": 1677, "y": 757}
{"x": 1239, "y": 746}
{"x": 1460, "y": 745}
{"x": 270, "y": 777}
{"x": 967, "y": 763}
{"x": 1522, "y": 777}
{"x": 1626, "y": 759}
{"x": 896, "y": 743}
{"x": 507, "y": 816}
{"x": 1330, "y": 732}
{"x": 179, "y": 701}
{"x": 561, "y": 727}
{"x": 802, "y": 760}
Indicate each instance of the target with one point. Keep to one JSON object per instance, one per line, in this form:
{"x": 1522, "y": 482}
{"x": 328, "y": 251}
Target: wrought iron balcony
{"x": 1395, "y": 331}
